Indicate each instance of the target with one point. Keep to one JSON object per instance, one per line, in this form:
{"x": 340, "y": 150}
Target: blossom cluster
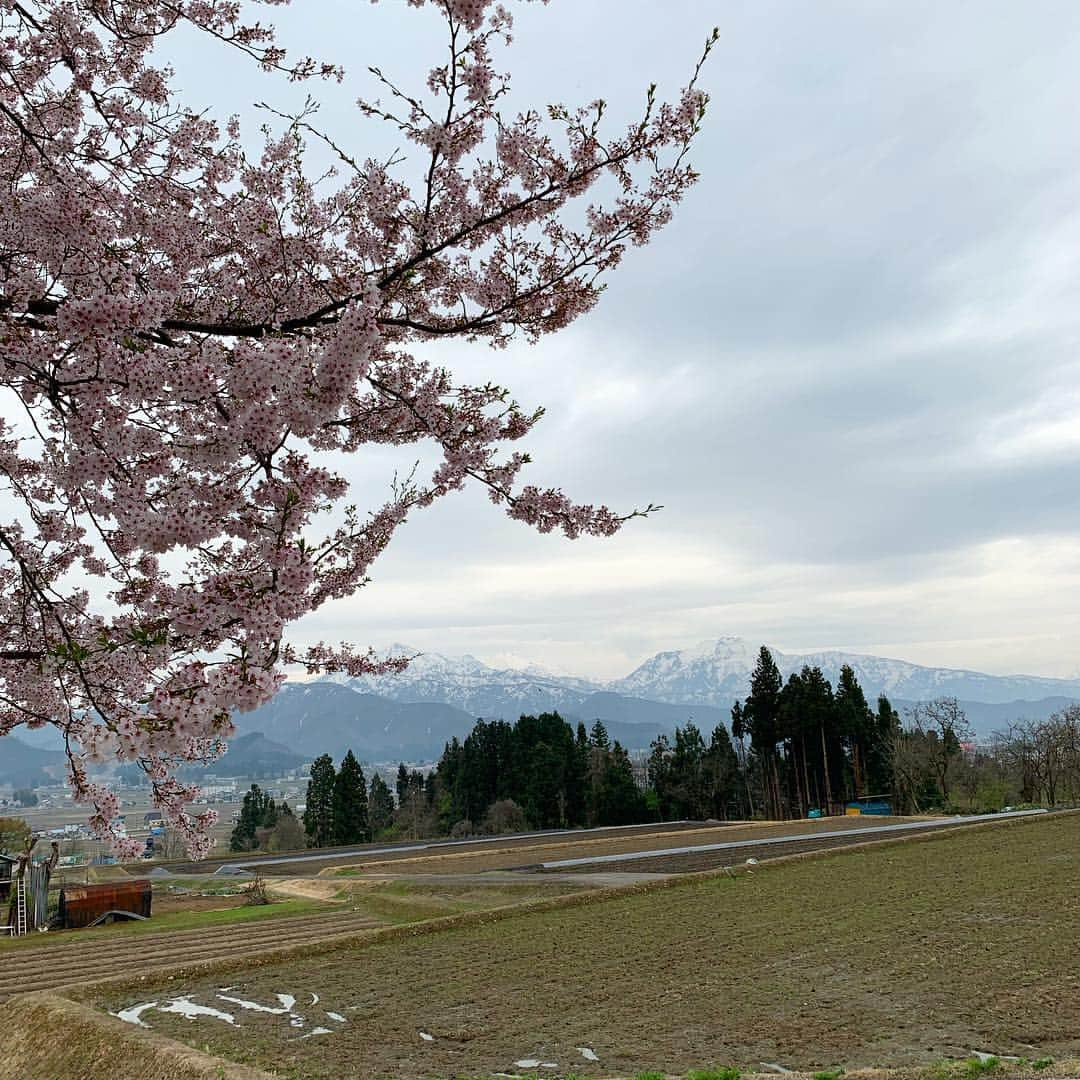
{"x": 196, "y": 334}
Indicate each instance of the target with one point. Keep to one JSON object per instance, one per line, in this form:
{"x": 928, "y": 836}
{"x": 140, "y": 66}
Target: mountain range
{"x": 714, "y": 673}
{"x": 410, "y": 716}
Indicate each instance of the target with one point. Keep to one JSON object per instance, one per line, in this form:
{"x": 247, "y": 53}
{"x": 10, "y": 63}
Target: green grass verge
{"x": 176, "y": 920}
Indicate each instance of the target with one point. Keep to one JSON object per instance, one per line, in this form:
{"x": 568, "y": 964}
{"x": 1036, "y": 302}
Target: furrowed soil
{"x": 518, "y": 853}
{"x": 894, "y": 955}
{"x": 190, "y": 935}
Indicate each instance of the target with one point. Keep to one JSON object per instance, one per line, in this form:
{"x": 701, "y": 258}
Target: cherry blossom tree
{"x": 188, "y": 331}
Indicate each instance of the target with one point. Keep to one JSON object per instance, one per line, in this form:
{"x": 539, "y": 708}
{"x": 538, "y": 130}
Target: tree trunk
{"x": 805, "y": 770}
{"x": 825, "y": 769}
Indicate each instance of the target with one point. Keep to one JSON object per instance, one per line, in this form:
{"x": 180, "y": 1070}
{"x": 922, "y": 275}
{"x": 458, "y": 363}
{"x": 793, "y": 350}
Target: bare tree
{"x": 945, "y": 727}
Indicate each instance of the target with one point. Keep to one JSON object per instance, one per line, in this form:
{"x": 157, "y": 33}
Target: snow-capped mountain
{"x": 704, "y": 680}
{"x": 717, "y": 672}
{"x": 473, "y": 686}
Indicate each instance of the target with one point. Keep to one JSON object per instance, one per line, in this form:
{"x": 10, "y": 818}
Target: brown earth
{"x": 165, "y": 903}
{"x": 900, "y": 954}
{"x": 529, "y": 853}
{"x": 49, "y": 961}
{"x": 94, "y": 1044}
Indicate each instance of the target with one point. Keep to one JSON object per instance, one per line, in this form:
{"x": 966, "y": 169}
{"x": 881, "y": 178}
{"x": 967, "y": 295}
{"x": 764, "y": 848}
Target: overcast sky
{"x": 848, "y": 369}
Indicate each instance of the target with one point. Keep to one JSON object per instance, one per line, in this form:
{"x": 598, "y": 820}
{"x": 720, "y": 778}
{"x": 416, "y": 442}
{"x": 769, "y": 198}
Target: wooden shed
{"x": 82, "y": 905}
{"x": 7, "y": 871}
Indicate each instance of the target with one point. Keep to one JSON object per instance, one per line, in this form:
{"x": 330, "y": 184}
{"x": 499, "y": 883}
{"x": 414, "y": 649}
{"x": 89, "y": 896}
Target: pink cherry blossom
{"x": 193, "y": 333}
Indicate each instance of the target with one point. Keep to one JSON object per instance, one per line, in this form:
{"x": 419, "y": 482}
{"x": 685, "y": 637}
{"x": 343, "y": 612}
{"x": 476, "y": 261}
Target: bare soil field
{"x": 192, "y": 930}
{"x": 339, "y": 856}
{"x": 894, "y": 955}
{"x": 522, "y": 853}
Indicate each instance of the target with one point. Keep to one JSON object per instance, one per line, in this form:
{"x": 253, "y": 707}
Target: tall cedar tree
{"x": 319, "y": 812}
{"x": 350, "y": 803}
{"x": 380, "y": 806}
{"x": 760, "y": 718}
{"x": 723, "y": 781}
{"x": 621, "y": 802}
{"x": 856, "y": 725}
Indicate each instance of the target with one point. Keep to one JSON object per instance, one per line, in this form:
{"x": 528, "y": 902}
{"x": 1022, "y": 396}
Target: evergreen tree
{"x": 723, "y": 779}
{"x": 380, "y": 806}
{"x": 254, "y": 813}
{"x": 402, "y": 785}
{"x": 319, "y": 811}
{"x": 688, "y": 782}
{"x": 350, "y": 803}
{"x": 879, "y": 770}
{"x": 599, "y": 736}
{"x": 760, "y": 720}
{"x": 821, "y": 727}
{"x": 577, "y": 773}
{"x": 856, "y": 725}
{"x": 658, "y": 776}
{"x": 739, "y": 732}
{"x": 621, "y": 802}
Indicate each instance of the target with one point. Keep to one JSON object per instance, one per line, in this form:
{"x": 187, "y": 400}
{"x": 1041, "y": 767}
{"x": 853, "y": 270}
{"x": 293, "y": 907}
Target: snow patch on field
{"x": 186, "y": 1006}
{"x": 192, "y": 1010}
{"x": 286, "y": 1006}
{"x": 132, "y": 1015}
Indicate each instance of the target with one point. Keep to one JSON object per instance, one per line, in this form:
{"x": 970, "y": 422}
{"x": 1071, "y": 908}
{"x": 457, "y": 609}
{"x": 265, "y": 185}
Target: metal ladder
{"x": 20, "y": 906}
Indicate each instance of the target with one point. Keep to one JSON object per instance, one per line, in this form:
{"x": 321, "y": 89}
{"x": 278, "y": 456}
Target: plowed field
{"x": 898, "y": 954}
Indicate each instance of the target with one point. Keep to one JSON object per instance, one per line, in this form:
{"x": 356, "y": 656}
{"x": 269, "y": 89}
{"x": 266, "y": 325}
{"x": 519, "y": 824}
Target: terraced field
{"x": 305, "y": 863}
{"x": 90, "y": 956}
{"x": 43, "y": 962}
{"x": 899, "y": 954}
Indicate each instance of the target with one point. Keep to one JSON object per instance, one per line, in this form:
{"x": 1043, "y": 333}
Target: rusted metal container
{"x": 80, "y": 905}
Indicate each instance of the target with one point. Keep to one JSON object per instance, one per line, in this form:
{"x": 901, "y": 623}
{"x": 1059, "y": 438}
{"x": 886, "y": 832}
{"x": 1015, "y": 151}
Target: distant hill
{"x": 28, "y": 766}
{"x": 252, "y": 755}
{"x": 327, "y": 718}
{"x": 323, "y": 718}
{"x": 988, "y": 718}
{"x": 636, "y": 722}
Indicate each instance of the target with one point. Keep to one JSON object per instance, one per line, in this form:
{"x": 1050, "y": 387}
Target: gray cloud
{"x": 846, "y": 369}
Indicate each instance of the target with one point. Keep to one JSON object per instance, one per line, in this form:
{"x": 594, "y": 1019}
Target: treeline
{"x": 341, "y": 807}
{"x": 263, "y": 825}
{"x": 1032, "y": 763}
{"x": 538, "y": 772}
{"x": 794, "y": 746}
{"x": 804, "y": 745}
